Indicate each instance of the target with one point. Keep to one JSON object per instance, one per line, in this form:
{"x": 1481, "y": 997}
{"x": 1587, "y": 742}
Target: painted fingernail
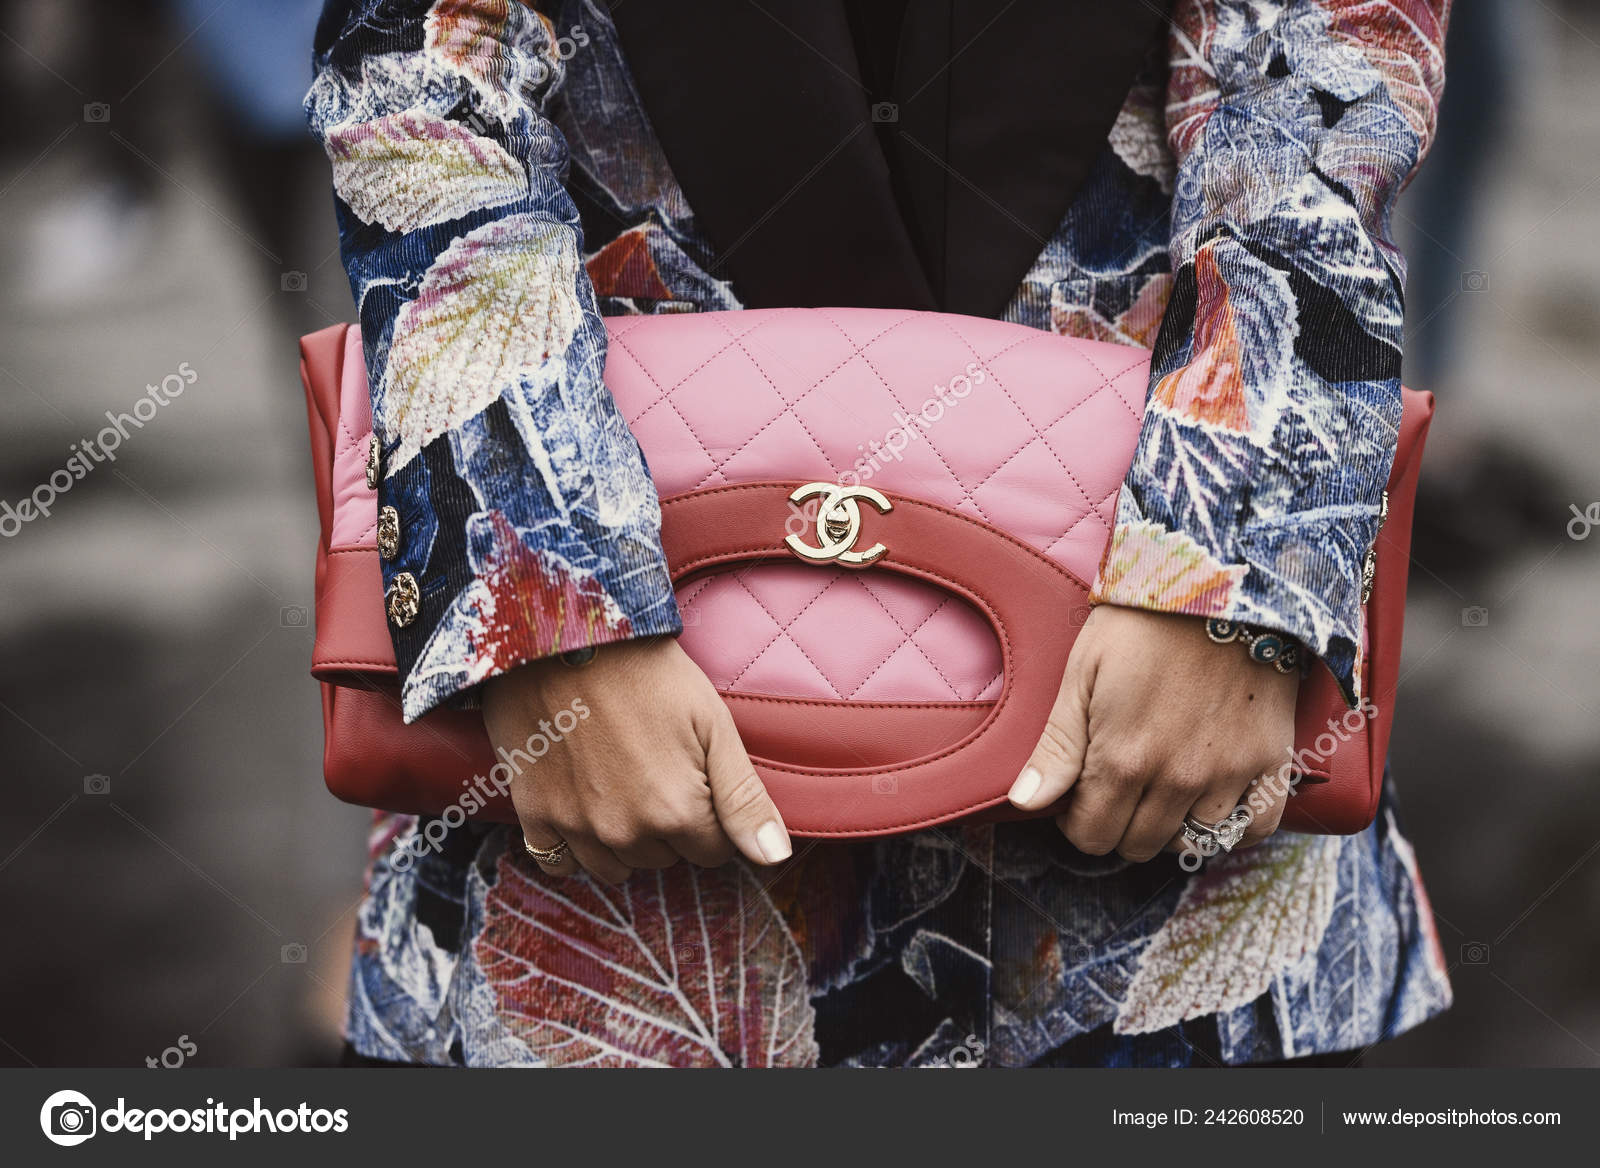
{"x": 773, "y": 842}
{"x": 1026, "y": 786}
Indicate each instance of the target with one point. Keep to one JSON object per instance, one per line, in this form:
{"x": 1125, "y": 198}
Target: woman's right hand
{"x": 653, "y": 772}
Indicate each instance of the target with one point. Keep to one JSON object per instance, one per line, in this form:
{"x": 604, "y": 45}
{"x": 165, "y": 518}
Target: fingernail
{"x": 1026, "y": 786}
{"x": 773, "y": 842}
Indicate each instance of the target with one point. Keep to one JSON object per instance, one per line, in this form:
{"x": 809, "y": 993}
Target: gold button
{"x": 405, "y": 600}
{"x": 388, "y": 532}
{"x": 372, "y": 462}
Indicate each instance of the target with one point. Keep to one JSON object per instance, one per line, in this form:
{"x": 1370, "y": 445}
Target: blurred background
{"x": 175, "y": 884}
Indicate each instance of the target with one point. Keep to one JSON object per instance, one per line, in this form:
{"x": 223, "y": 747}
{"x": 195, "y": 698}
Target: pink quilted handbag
{"x": 882, "y": 526}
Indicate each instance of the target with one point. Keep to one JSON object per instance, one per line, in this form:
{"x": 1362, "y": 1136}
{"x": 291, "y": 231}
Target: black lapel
{"x": 759, "y": 109}
{"x": 1004, "y": 115}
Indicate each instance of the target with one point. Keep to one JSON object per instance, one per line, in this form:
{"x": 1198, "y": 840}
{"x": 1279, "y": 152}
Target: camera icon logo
{"x": 688, "y": 954}
{"x": 293, "y": 953}
{"x": 97, "y": 111}
{"x": 1474, "y": 281}
{"x": 293, "y": 616}
{"x": 885, "y": 785}
{"x": 292, "y": 282}
{"x": 68, "y": 1118}
{"x": 1475, "y": 616}
{"x": 1475, "y": 953}
{"x": 885, "y": 111}
{"x": 97, "y": 784}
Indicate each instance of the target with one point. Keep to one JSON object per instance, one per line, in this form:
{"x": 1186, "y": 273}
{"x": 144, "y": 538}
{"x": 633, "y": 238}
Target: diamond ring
{"x": 1222, "y": 836}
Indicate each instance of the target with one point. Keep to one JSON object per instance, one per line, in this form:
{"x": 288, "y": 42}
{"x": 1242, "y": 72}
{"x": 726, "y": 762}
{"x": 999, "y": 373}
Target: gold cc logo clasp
{"x": 838, "y": 524}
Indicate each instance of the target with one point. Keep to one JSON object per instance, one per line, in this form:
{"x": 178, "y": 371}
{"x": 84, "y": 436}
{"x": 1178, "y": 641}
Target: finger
{"x": 539, "y": 831}
{"x": 744, "y": 809}
{"x": 544, "y": 838}
{"x": 597, "y": 859}
{"x": 1156, "y": 821}
{"x": 1101, "y": 807}
{"x": 648, "y": 853}
{"x": 704, "y": 843}
{"x": 689, "y": 825}
{"x": 1266, "y": 805}
{"x": 1057, "y": 760}
{"x": 1211, "y": 808}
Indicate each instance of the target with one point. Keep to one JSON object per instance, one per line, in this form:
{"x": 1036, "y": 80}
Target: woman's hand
{"x": 654, "y": 773}
{"x": 1156, "y": 721}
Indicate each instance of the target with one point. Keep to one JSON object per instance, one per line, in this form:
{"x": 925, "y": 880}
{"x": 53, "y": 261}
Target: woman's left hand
{"x": 1155, "y": 721}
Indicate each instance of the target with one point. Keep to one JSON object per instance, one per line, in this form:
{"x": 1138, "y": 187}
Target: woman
{"x": 505, "y": 177}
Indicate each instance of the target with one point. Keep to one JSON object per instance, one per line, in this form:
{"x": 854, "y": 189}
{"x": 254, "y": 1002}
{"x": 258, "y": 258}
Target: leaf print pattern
{"x": 1214, "y": 389}
{"x": 1137, "y": 324}
{"x": 808, "y": 892}
{"x": 625, "y": 269}
{"x": 1238, "y": 925}
{"x": 1136, "y": 135}
{"x": 498, "y": 303}
{"x": 412, "y": 169}
{"x": 1167, "y": 571}
{"x": 526, "y": 595}
{"x": 647, "y": 270}
{"x": 473, "y": 38}
{"x": 1403, "y": 40}
{"x": 1259, "y": 271}
{"x": 678, "y": 967}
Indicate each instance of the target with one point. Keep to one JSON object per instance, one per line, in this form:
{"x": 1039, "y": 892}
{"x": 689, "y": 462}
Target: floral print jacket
{"x": 1237, "y": 223}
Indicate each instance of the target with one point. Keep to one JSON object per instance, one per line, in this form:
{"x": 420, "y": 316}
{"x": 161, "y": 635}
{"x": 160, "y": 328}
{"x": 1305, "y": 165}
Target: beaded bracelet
{"x": 1268, "y": 648}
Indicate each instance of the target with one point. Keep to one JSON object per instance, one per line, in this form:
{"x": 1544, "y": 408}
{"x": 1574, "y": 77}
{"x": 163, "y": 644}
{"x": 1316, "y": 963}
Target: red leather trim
{"x": 357, "y": 641}
{"x": 321, "y": 370}
{"x": 851, "y": 735}
{"x": 1023, "y": 594}
{"x": 371, "y": 759}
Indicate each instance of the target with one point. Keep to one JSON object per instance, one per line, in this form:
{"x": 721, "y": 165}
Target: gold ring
{"x": 550, "y": 856}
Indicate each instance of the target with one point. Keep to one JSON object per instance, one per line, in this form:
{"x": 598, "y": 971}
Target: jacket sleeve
{"x": 1274, "y": 401}
{"x": 528, "y": 523}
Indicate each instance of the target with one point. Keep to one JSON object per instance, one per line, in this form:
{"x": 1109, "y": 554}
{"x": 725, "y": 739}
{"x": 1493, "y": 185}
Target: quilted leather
{"x": 355, "y": 505}
{"x": 1038, "y": 448}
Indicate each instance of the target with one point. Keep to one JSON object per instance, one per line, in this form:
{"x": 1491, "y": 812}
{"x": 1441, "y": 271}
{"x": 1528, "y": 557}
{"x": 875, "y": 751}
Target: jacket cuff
{"x": 526, "y": 600}
{"x": 1279, "y": 583}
